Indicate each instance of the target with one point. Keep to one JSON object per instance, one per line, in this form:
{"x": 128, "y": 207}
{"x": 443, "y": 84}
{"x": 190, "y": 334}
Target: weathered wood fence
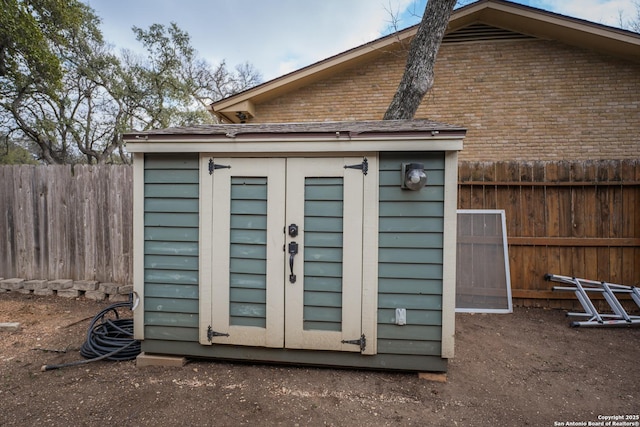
{"x": 579, "y": 219}
{"x": 64, "y": 222}
{"x": 571, "y": 218}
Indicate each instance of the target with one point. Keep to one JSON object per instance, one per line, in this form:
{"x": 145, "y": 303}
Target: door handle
{"x": 293, "y": 250}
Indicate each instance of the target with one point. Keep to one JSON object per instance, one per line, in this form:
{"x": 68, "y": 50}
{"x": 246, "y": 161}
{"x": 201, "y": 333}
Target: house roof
{"x": 484, "y": 18}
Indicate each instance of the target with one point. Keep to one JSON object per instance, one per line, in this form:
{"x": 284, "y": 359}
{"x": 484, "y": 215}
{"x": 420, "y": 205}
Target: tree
{"x": 30, "y": 31}
{"x": 171, "y": 86}
{"x": 62, "y": 88}
{"x": 634, "y": 23}
{"x": 42, "y": 41}
{"x": 11, "y": 153}
{"x": 417, "y": 79}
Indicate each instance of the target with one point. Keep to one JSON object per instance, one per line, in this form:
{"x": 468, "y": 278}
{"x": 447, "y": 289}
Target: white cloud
{"x": 607, "y": 12}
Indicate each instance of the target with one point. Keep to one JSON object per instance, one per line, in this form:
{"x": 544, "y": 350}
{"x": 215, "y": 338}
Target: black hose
{"x": 107, "y": 338}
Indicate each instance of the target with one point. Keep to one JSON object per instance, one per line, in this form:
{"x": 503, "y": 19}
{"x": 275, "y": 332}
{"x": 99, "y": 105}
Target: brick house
{"x": 551, "y": 105}
{"x": 526, "y": 83}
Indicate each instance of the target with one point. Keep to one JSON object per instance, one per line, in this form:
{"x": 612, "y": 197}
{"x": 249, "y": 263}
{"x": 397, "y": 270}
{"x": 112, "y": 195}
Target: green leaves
{"x": 62, "y": 88}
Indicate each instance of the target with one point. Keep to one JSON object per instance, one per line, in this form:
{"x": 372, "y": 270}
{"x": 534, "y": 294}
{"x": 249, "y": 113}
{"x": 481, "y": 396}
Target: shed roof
{"x": 345, "y": 136}
{"x": 352, "y": 129}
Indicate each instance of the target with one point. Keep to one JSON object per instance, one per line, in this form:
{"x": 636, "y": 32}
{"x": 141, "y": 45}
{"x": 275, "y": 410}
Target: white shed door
{"x": 286, "y": 253}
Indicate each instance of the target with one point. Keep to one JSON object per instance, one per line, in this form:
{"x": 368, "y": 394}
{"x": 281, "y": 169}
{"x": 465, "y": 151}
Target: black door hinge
{"x": 211, "y": 334}
{"x": 364, "y": 166}
{"x": 362, "y": 342}
{"x": 213, "y": 166}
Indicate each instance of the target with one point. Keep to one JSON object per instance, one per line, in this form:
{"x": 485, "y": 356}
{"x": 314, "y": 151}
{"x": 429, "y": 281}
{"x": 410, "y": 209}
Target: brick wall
{"x": 519, "y": 100}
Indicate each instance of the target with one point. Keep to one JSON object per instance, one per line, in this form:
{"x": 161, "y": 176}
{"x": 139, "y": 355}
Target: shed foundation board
{"x": 9, "y": 326}
{"x": 145, "y": 359}
{"x": 413, "y": 363}
{"x": 432, "y": 376}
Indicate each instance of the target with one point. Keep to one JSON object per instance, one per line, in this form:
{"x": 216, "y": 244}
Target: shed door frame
{"x": 285, "y": 300}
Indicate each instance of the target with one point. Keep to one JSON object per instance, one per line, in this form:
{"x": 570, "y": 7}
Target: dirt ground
{"x": 526, "y": 368}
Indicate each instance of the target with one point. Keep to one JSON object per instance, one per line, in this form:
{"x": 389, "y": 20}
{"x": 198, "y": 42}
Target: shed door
{"x": 287, "y": 252}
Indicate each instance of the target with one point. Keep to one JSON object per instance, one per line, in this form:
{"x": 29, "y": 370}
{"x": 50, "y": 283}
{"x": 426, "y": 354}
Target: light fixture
{"x": 242, "y": 116}
{"x": 413, "y": 176}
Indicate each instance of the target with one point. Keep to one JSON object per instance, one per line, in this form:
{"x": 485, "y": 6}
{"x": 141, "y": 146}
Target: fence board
{"x": 66, "y": 222}
{"x": 572, "y": 218}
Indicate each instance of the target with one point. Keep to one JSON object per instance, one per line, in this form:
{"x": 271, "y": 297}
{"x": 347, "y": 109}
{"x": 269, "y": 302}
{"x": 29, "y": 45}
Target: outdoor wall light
{"x": 413, "y": 176}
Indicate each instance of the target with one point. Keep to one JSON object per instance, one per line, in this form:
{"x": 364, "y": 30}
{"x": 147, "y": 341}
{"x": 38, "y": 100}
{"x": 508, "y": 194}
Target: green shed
{"x": 328, "y": 243}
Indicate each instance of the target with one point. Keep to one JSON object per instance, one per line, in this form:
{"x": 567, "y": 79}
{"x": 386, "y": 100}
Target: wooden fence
{"x": 64, "y": 222}
{"x": 579, "y": 219}
{"x": 570, "y": 218}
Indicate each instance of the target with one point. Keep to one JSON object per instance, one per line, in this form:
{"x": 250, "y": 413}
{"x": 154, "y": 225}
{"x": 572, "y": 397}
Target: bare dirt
{"x": 525, "y": 368}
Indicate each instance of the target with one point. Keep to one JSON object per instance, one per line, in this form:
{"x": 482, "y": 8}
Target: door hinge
{"x": 362, "y": 342}
{"x": 211, "y": 334}
{"x": 213, "y": 166}
{"x": 364, "y": 166}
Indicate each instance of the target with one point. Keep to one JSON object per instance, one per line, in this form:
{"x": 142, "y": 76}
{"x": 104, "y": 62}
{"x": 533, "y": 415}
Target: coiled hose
{"x": 108, "y": 338}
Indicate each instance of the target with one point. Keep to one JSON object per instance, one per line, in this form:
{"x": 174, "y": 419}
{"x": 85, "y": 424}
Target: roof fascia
{"x": 552, "y": 26}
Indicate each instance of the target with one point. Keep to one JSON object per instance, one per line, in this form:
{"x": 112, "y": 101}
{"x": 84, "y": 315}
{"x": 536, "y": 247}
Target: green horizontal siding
{"x": 170, "y": 205}
{"x": 251, "y": 237}
{"x": 323, "y": 225}
{"x": 169, "y": 233}
{"x": 248, "y": 252}
{"x": 410, "y": 225}
{"x": 171, "y": 262}
{"x": 414, "y": 317}
{"x": 171, "y": 248}
{"x": 170, "y": 305}
{"x": 410, "y": 256}
{"x": 175, "y": 219}
{"x": 178, "y": 191}
{"x": 170, "y": 333}
{"x": 168, "y": 290}
{"x": 177, "y": 176}
{"x": 395, "y": 285}
{"x": 410, "y": 347}
{"x": 409, "y": 332}
{"x": 176, "y": 277}
{"x": 417, "y": 302}
{"x": 171, "y": 228}
{"x": 410, "y": 240}
{"x": 410, "y": 271}
{"x": 243, "y": 280}
{"x": 184, "y": 320}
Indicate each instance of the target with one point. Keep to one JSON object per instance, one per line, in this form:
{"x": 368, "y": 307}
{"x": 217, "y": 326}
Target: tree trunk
{"x": 418, "y": 73}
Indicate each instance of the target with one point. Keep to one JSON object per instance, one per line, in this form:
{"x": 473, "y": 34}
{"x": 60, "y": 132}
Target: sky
{"x": 280, "y": 36}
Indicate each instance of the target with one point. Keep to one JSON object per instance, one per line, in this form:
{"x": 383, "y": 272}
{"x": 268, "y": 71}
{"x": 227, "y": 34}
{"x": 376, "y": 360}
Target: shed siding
{"x": 171, "y": 247}
{"x": 248, "y": 252}
{"x": 410, "y": 264}
{"x": 323, "y": 227}
{"x": 410, "y": 257}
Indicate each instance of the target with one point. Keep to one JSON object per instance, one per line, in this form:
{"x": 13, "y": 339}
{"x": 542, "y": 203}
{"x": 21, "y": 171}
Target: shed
{"x": 298, "y": 243}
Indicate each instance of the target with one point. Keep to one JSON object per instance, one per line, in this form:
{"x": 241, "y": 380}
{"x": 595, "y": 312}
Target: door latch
{"x": 293, "y": 250}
